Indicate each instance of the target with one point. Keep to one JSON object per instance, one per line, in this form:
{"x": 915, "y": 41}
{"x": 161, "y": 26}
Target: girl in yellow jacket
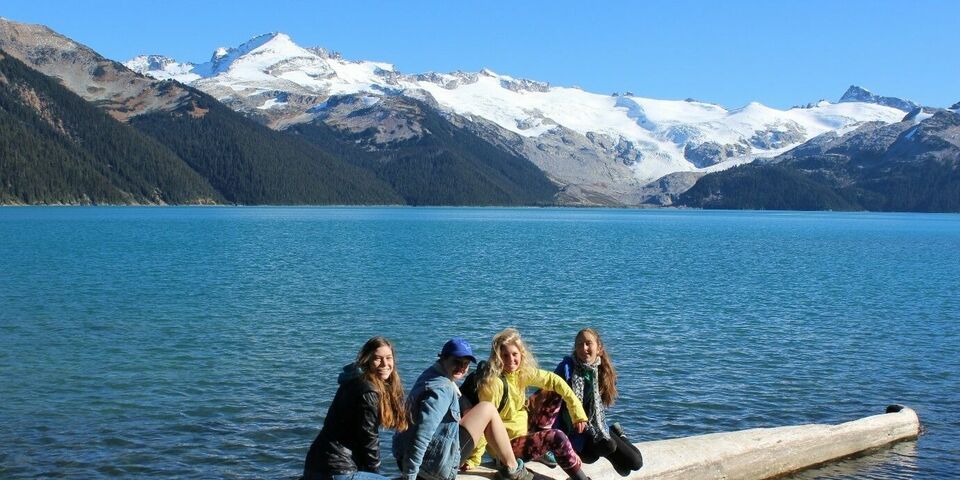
{"x": 511, "y": 362}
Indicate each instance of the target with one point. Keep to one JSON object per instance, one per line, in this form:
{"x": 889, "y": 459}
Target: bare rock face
{"x": 935, "y": 138}
{"x": 778, "y": 136}
{"x": 578, "y": 164}
{"x": 383, "y": 119}
{"x": 664, "y": 191}
{"x": 448, "y": 81}
{"x": 113, "y": 87}
{"x": 525, "y": 85}
{"x": 712, "y": 153}
{"x": 860, "y": 94}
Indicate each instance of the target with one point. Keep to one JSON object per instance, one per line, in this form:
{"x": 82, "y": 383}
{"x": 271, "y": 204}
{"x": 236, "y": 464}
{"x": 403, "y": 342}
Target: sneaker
{"x": 521, "y": 473}
{"x": 548, "y": 459}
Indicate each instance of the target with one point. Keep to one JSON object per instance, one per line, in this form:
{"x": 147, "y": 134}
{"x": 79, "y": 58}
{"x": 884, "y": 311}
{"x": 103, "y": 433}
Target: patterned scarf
{"x": 583, "y": 373}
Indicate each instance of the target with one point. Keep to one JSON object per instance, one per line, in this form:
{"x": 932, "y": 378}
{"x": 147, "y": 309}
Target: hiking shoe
{"x": 521, "y": 473}
{"x": 548, "y": 459}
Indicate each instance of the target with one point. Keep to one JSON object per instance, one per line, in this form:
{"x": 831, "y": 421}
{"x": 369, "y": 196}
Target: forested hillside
{"x": 56, "y": 147}
{"x": 910, "y": 166}
{"x": 446, "y": 165}
{"x": 252, "y": 164}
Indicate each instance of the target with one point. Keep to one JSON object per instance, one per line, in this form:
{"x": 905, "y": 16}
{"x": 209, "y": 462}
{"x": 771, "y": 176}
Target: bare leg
{"x": 483, "y": 419}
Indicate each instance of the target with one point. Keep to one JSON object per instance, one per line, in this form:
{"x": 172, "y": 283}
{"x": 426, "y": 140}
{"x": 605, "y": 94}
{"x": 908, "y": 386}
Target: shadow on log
{"x": 754, "y": 454}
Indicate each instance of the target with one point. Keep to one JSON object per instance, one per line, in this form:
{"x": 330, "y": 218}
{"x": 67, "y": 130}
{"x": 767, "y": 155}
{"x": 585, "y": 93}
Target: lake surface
{"x": 205, "y": 342}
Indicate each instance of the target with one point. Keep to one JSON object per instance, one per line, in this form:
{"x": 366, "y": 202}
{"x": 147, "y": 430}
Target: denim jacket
{"x": 430, "y": 448}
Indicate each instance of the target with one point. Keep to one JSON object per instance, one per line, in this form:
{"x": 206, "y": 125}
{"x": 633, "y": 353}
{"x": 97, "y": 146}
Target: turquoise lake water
{"x": 205, "y": 342}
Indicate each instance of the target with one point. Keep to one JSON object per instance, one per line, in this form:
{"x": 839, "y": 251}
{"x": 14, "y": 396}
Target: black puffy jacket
{"x": 350, "y": 438}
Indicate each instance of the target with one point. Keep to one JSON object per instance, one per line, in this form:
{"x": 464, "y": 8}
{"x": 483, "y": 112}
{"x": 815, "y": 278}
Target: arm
{"x": 433, "y": 407}
{"x": 367, "y": 452}
{"x": 552, "y": 382}
{"x": 563, "y": 369}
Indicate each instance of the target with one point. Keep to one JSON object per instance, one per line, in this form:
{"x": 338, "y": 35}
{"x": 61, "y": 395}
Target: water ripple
{"x": 199, "y": 343}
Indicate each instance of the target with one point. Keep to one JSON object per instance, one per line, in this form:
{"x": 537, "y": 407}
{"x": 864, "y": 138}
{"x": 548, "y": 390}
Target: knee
{"x": 486, "y": 409}
{"x": 560, "y": 437}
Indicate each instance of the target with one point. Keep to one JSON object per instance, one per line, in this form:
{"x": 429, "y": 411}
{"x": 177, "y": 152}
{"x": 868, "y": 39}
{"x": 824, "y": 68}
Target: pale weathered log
{"x": 755, "y": 454}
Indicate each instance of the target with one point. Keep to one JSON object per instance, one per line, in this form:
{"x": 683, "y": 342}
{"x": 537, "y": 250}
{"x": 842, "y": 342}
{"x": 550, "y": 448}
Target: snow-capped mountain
{"x": 592, "y": 145}
{"x": 860, "y": 94}
{"x": 163, "y": 68}
{"x": 910, "y": 165}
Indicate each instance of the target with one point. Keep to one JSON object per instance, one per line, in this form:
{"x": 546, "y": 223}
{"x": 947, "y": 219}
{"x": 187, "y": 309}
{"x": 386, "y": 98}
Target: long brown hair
{"x": 606, "y": 372}
{"x": 392, "y": 409}
{"x": 528, "y": 363}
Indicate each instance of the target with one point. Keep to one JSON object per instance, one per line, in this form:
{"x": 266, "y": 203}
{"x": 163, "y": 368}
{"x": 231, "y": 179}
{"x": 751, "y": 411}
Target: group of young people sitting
{"x": 441, "y": 430}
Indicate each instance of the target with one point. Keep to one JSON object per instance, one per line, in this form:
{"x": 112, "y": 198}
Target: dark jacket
{"x": 350, "y": 438}
{"x": 578, "y": 440}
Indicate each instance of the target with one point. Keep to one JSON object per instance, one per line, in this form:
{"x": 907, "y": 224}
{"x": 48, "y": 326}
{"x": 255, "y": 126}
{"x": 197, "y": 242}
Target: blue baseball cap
{"x": 457, "y": 347}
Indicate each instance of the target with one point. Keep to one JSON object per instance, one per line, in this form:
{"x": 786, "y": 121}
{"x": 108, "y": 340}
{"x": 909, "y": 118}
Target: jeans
{"x": 346, "y": 476}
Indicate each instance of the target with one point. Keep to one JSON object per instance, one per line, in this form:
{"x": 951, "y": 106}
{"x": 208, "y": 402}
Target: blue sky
{"x": 780, "y": 53}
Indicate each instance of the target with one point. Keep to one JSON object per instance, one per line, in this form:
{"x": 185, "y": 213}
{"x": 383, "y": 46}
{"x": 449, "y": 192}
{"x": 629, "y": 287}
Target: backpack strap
{"x": 506, "y": 394}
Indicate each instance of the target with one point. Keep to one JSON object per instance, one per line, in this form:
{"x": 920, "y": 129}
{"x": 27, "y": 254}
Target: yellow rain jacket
{"x": 514, "y": 414}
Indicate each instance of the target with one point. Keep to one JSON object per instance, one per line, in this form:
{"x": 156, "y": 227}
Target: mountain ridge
{"x": 859, "y": 94}
{"x": 243, "y": 160}
{"x": 912, "y": 165}
{"x": 650, "y": 137}
{"x": 362, "y": 132}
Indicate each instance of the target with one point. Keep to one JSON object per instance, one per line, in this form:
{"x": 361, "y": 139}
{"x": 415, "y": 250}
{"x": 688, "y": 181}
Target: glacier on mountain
{"x": 613, "y": 144}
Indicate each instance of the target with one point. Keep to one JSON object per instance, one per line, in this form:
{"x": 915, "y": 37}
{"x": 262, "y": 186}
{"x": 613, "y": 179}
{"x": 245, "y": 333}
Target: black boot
{"x": 626, "y": 458}
{"x": 577, "y": 474}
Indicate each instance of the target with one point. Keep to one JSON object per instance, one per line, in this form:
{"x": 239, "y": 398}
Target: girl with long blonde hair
{"x": 441, "y": 435}
{"x": 370, "y": 396}
{"x": 513, "y": 368}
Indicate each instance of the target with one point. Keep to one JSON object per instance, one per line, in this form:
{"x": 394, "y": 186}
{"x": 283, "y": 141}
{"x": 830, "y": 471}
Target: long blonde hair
{"x": 392, "y": 410}
{"x": 528, "y": 363}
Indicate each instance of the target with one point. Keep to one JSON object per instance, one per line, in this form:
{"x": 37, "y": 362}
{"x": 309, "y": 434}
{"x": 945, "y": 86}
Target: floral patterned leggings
{"x": 543, "y": 438}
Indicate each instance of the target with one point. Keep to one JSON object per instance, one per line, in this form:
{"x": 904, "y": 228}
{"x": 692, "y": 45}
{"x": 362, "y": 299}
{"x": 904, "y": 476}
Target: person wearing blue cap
{"x": 439, "y": 438}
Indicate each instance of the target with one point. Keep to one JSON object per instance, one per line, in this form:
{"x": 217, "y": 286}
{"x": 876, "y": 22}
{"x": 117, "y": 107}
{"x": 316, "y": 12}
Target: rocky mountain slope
{"x": 911, "y": 165}
{"x": 241, "y": 159}
{"x": 247, "y": 163}
{"x": 55, "y": 147}
{"x": 599, "y": 149}
{"x": 425, "y": 158}
{"x": 98, "y": 80}
{"x": 362, "y": 132}
{"x": 860, "y": 94}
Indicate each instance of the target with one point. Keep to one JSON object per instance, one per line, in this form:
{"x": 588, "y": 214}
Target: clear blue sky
{"x": 779, "y": 53}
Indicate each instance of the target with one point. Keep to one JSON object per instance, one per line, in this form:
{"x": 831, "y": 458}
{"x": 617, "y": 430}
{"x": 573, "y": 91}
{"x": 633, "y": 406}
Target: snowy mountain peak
{"x": 161, "y": 68}
{"x": 153, "y": 63}
{"x": 859, "y": 94}
{"x": 640, "y": 138}
{"x": 219, "y": 53}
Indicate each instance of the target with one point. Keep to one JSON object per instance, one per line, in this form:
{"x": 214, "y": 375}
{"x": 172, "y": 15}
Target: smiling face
{"x": 381, "y": 362}
{"x": 511, "y": 357}
{"x": 455, "y": 368}
{"x": 587, "y": 347}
